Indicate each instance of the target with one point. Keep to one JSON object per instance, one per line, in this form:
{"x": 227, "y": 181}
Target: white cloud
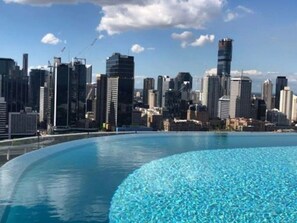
{"x": 187, "y": 39}
{"x": 159, "y": 13}
{"x": 136, "y": 48}
{"x": 231, "y": 16}
{"x": 246, "y": 72}
{"x": 239, "y": 11}
{"x": 184, "y": 37}
{"x": 123, "y": 15}
{"x": 50, "y": 39}
{"x": 203, "y": 39}
{"x": 100, "y": 36}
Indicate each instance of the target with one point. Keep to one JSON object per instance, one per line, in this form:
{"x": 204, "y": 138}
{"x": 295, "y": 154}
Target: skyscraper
{"x": 101, "y": 99}
{"x": 183, "y": 81}
{"x": 285, "y": 104}
{"x": 25, "y": 64}
{"x": 89, "y": 73}
{"x": 112, "y": 102}
{"x": 14, "y": 86}
{"x": 224, "y": 65}
{"x": 3, "y": 115}
{"x": 281, "y": 82}
{"x": 36, "y": 80}
{"x": 148, "y": 84}
{"x": 240, "y": 97}
{"x": 122, "y": 67}
{"x": 70, "y": 94}
{"x": 267, "y": 93}
{"x": 210, "y": 95}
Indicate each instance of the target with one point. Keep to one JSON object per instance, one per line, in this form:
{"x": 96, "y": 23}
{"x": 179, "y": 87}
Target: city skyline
{"x": 166, "y": 46}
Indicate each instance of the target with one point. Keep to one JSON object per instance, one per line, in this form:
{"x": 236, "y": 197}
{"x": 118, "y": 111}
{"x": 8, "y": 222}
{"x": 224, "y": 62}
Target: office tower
{"x": 25, "y": 64}
{"x": 61, "y": 95}
{"x": 172, "y": 103}
{"x": 224, "y": 107}
{"x": 22, "y": 124}
{"x": 14, "y": 86}
{"x": 70, "y": 94}
{"x": 160, "y": 93}
{"x": 3, "y": 116}
{"x": 240, "y": 97}
{"x": 210, "y": 95}
{"x": 281, "y": 82}
{"x": 152, "y": 98}
{"x": 258, "y": 108}
{"x": 43, "y": 104}
{"x": 89, "y": 73}
{"x": 148, "y": 84}
{"x": 224, "y": 65}
{"x": 285, "y": 103}
{"x": 183, "y": 82}
{"x": 36, "y": 80}
{"x": 267, "y": 93}
{"x": 101, "y": 96}
{"x": 167, "y": 84}
{"x": 112, "y": 102}
{"x": 122, "y": 66}
{"x": 276, "y": 117}
{"x": 294, "y": 109}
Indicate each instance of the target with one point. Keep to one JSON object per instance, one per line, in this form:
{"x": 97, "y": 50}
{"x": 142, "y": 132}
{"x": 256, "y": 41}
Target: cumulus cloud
{"x": 187, "y": 39}
{"x": 203, "y": 39}
{"x": 159, "y": 13}
{"x": 122, "y": 15}
{"x": 238, "y": 12}
{"x": 136, "y": 48}
{"x": 50, "y": 39}
{"x": 246, "y": 72}
{"x": 184, "y": 37}
{"x": 100, "y": 36}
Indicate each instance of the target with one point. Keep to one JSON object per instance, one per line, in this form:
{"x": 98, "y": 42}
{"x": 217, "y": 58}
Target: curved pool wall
{"x": 110, "y": 161}
{"x": 11, "y": 172}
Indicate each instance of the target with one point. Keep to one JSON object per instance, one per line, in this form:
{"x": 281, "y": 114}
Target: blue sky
{"x": 171, "y": 35}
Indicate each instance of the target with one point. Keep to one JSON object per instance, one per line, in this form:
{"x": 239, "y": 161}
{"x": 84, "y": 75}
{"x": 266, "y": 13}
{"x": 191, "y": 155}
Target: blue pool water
{"x": 83, "y": 181}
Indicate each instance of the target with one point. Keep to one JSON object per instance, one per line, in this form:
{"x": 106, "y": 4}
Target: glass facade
{"x": 122, "y": 66}
{"x": 36, "y": 80}
{"x": 281, "y": 83}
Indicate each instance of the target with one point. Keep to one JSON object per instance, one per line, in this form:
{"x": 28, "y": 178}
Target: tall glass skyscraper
{"x": 281, "y": 83}
{"x": 224, "y": 64}
{"x": 122, "y": 66}
{"x": 70, "y": 94}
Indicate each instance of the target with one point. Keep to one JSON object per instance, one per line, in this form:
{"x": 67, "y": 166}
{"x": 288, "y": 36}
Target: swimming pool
{"x": 80, "y": 181}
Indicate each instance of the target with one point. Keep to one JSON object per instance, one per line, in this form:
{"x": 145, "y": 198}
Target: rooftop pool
{"x": 159, "y": 177}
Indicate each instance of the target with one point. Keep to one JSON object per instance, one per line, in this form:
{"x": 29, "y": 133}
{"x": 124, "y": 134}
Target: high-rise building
{"x": 294, "y": 109}
{"x": 112, "y": 102}
{"x": 281, "y": 82}
{"x": 183, "y": 81}
{"x": 224, "y": 107}
{"x": 210, "y": 95}
{"x": 14, "y": 86}
{"x": 122, "y": 66}
{"x": 36, "y": 80}
{"x": 152, "y": 98}
{"x": 224, "y": 65}
{"x": 25, "y": 64}
{"x": 285, "y": 103}
{"x": 267, "y": 93}
{"x": 70, "y": 94}
{"x": 43, "y": 104}
{"x": 148, "y": 84}
{"x": 240, "y": 97}
{"x": 3, "y": 115}
{"x": 101, "y": 96}
{"x": 89, "y": 73}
